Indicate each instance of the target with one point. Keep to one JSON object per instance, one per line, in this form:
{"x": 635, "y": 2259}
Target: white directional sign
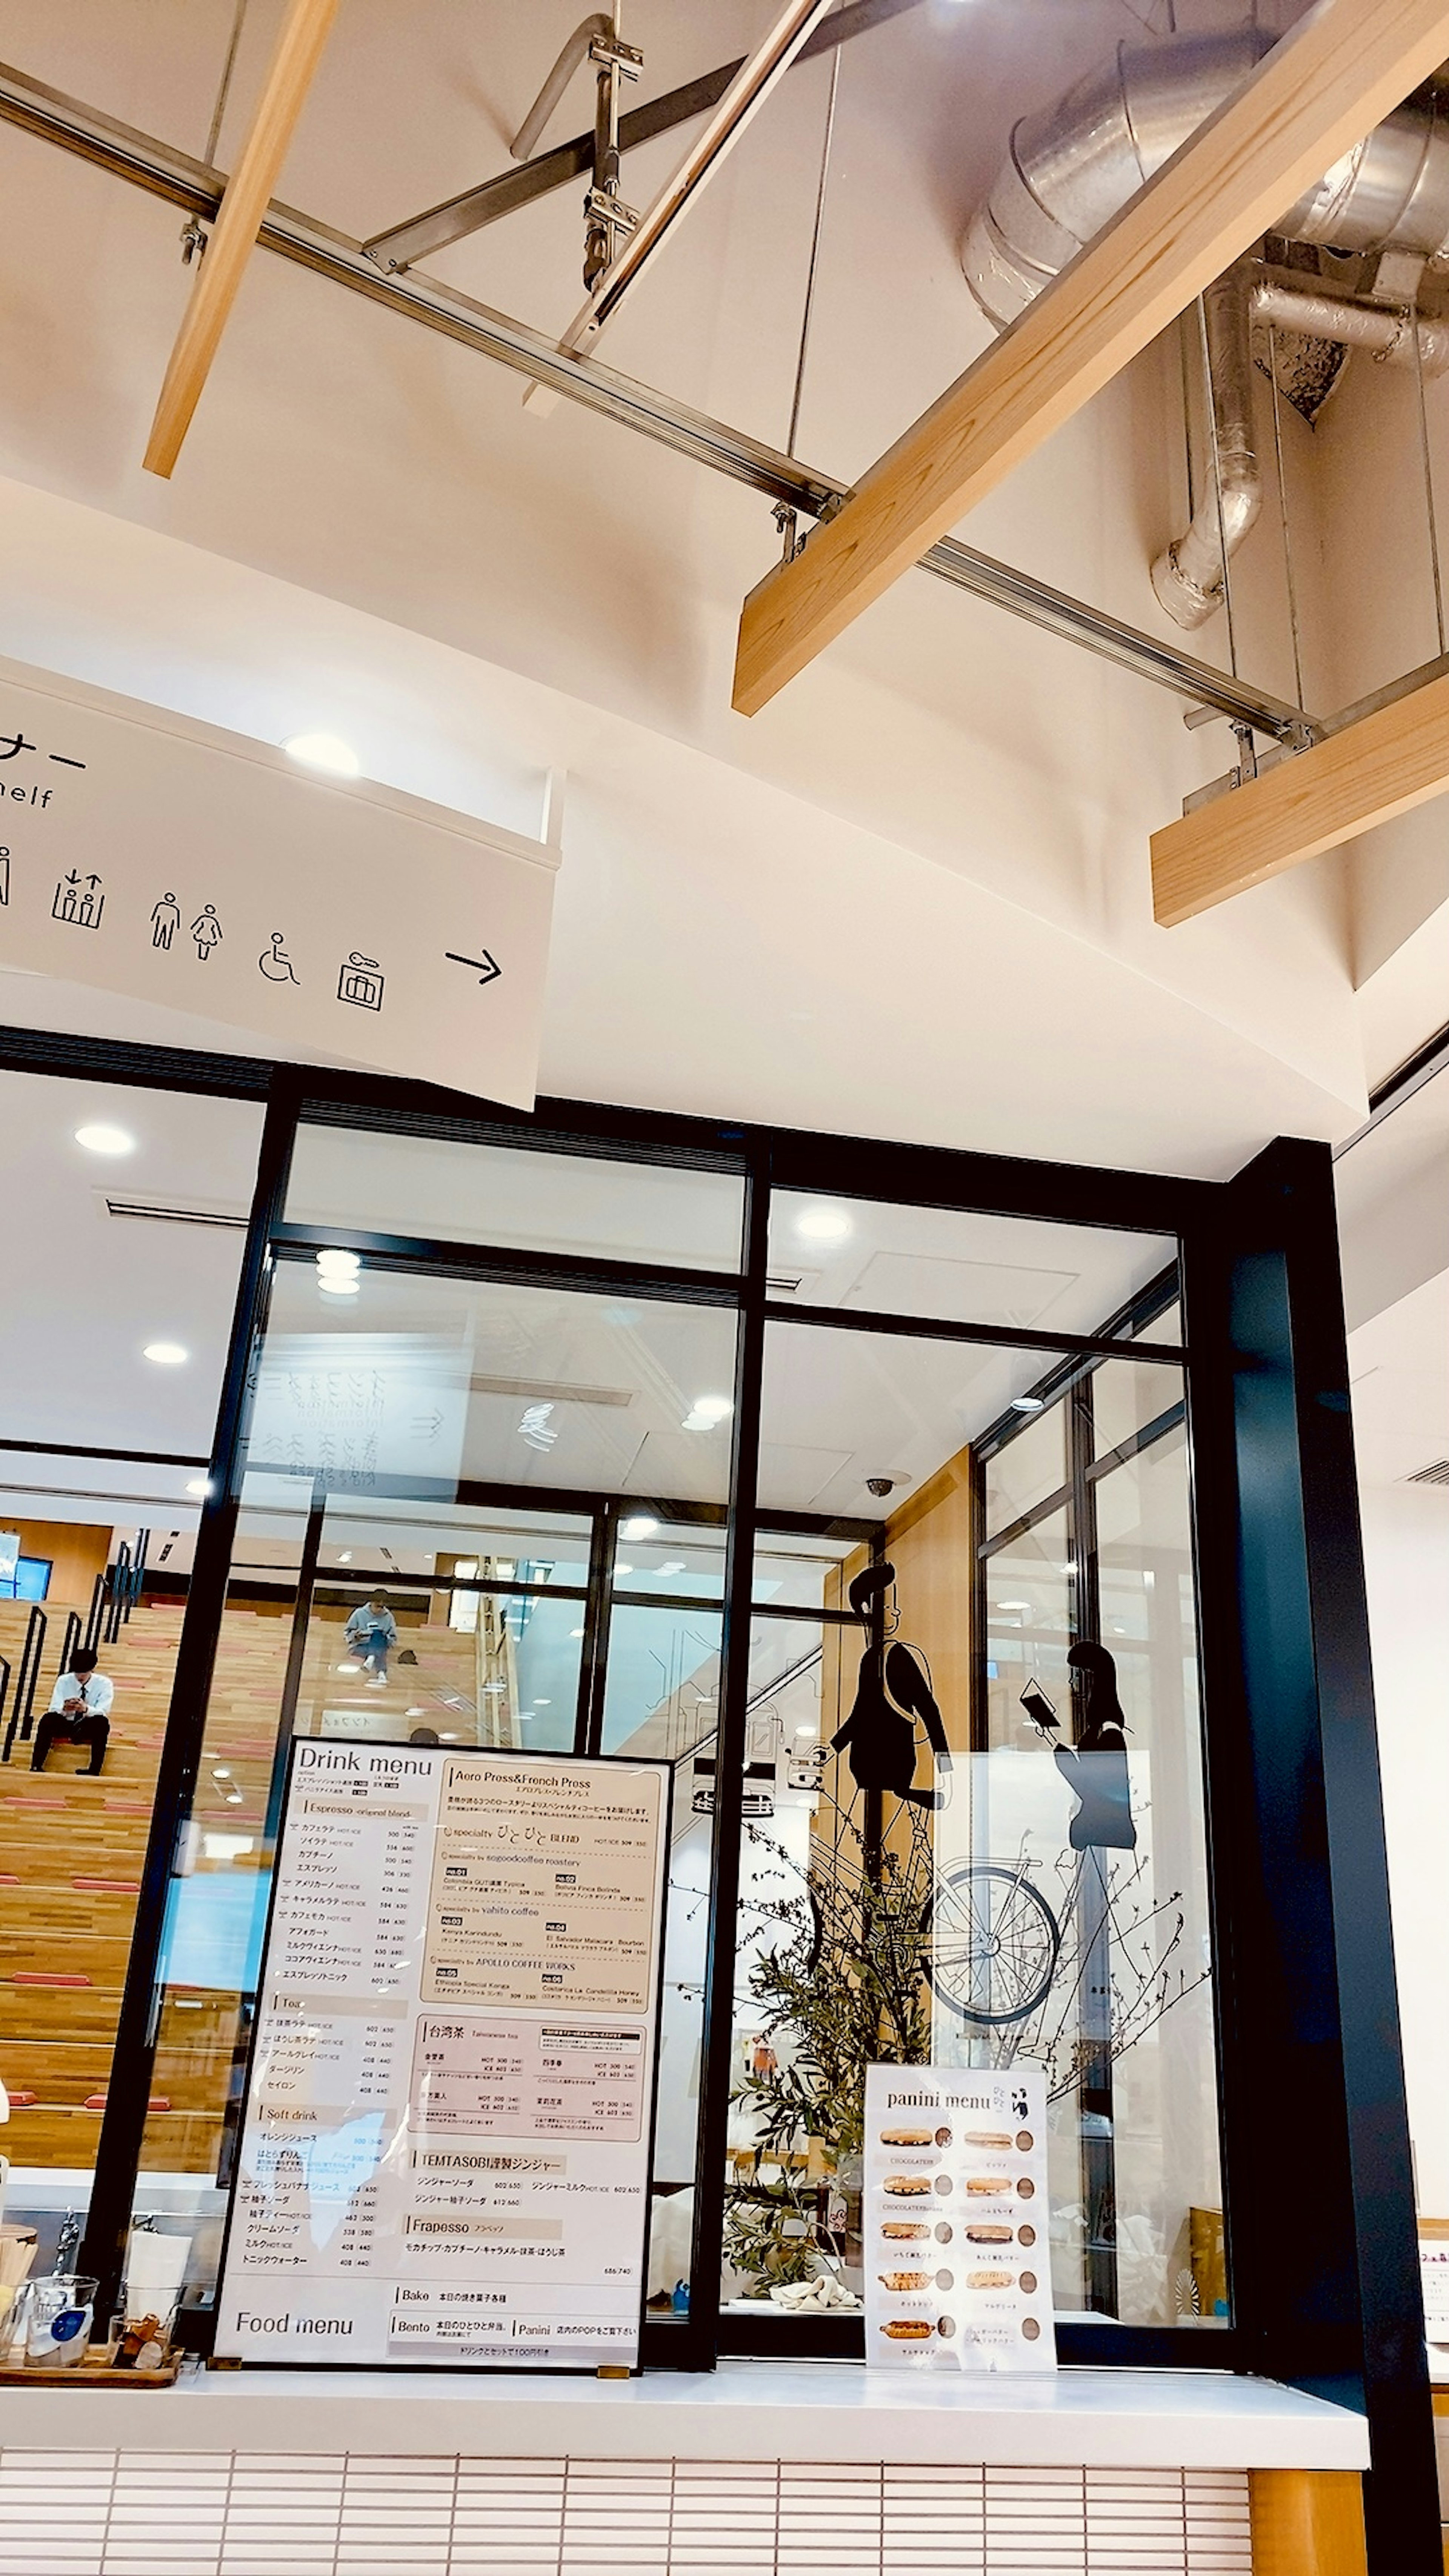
{"x": 159, "y": 857}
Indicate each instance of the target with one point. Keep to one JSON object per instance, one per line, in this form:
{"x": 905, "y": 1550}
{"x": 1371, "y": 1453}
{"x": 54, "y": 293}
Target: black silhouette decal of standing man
{"x": 893, "y": 1690}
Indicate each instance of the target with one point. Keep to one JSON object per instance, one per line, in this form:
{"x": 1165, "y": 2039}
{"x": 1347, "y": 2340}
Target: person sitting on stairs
{"x": 79, "y": 1712}
{"x": 371, "y": 1632}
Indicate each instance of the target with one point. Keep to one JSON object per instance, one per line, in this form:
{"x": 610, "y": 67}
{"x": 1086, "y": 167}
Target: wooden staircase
{"x": 71, "y": 1850}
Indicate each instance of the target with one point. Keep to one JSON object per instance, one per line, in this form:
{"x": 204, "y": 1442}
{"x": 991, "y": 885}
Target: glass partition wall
{"x": 543, "y": 1444}
{"x": 877, "y": 1492}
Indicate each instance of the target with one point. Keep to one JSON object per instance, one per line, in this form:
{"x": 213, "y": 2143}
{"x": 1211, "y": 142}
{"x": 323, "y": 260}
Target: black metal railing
{"x": 22, "y": 1708}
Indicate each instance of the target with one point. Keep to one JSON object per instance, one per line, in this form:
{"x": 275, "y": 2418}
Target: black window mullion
{"x": 716, "y": 2051}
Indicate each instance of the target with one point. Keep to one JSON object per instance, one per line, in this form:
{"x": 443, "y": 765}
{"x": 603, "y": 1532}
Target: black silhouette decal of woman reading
{"x": 892, "y": 1692}
{"x": 1096, "y": 1768}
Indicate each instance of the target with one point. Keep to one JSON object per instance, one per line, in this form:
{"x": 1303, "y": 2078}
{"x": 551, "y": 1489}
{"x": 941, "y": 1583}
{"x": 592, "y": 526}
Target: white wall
{"x": 1406, "y": 1550}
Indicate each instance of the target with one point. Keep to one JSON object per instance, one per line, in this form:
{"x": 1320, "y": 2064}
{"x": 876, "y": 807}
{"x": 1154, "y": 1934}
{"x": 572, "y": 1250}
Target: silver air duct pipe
{"x": 1072, "y": 167}
{"x": 1188, "y": 576}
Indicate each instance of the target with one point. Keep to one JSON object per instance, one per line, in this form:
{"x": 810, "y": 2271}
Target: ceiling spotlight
{"x": 166, "y": 1354}
{"x": 641, "y": 1526}
{"x": 1028, "y": 1404}
{"x": 335, "y": 1263}
{"x": 824, "y": 1225}
{"x": 344, "y": 1556}
{"x": 324, "y": 751}
{"x": 105, "y": 1140}
{"x": 621, "y": 1570}
{"x": 576, "y": 1632}
{"x": 706, "y": 1411}
{"x": 199, "y": 1487}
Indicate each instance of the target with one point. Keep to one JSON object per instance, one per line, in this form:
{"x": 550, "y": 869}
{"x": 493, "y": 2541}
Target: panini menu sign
{"x": 445, "y": 2144}
{"x": 954, "y": 2221}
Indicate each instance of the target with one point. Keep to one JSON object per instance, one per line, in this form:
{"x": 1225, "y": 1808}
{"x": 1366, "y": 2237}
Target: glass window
{"x": 126, "y": 1211}
{"x": 1101, "y": 1870}
{"x": 448, "y": 1189}
{"x": 1029, "y": 1466}
{"x": 426, "y": 1382}
{"x": 661, "y": 1692}
{"x": 669, "y": 1559}
{"x": 958, "y": 1265}
{"x": 1127, "y": 1397}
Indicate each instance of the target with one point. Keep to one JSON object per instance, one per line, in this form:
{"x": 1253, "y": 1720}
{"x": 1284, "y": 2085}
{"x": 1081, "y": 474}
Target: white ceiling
{"x": 910, "y": 899}
{"x": 85, "y": 1291}
{"x": 1399, "y": 1373}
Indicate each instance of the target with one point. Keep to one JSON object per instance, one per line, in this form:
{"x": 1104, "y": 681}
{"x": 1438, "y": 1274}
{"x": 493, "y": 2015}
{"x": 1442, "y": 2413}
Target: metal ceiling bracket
{"x": 163, "y": 171}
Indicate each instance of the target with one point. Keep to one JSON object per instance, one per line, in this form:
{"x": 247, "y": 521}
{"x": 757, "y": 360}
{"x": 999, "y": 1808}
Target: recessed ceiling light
{"x": 621, "y": 1570}
{"x": 325, "y": 751}
{"x": 101, "y": 1139}
{"x": 641, "y": 1526}
{"x": 1013, "y": 1605}
{"x": 1028, "y": 1404}
{"x": 576, "y": 1632}
{"x": 199, "y": 1487}
{"x": 824, "y": 1225}
{"x": 706, "y": 1411}
{"x": 339, "y": 1287}
{"x": 335, "y": 1263}
{"x": 674, "y": 1566}
{"x": 166, "y": 1354}
{"x": 344, "y": 1556}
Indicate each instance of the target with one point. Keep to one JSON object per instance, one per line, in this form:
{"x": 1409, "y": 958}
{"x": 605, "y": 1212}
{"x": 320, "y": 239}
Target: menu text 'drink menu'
{"x": 445, "y": 2143}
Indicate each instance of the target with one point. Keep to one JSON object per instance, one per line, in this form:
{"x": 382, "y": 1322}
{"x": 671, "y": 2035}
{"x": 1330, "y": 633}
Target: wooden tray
{"x": 98, "y": 2370}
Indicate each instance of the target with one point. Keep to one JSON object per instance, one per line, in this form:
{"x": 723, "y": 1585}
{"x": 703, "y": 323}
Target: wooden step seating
{"x": 60, "y": 1834}
{"x": 59, "y": 1831}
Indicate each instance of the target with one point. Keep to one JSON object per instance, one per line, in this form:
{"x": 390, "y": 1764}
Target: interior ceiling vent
{"x": 169, "y": 1212}
{"x": 1438, "y": 1474}
{"x": 540, "y": 1391}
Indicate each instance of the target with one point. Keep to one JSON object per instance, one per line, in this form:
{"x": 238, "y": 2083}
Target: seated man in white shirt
{"x": 79, "y": 1712}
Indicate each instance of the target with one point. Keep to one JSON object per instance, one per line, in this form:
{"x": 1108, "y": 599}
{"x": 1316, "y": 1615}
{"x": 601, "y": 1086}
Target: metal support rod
{"x": 467, "y": 213}
{"x": 165, "y": 172}
{"x": 571, "y": 54}
{"x": 808, "y": 312}
{"x": 737, "y": 110}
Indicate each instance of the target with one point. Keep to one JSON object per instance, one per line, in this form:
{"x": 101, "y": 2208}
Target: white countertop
{"x": 827, "y": 2411}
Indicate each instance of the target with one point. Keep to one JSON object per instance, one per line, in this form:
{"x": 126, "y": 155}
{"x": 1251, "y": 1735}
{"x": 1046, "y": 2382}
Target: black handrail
{"x": 118, "y": 1574}
{"x": 138, "y": 1571}
{"x": 69, "y": 1641}
{"x": 4, "y": 1695}
{"x": 23, "y": 1706}
{"x": 94, "y": 1616}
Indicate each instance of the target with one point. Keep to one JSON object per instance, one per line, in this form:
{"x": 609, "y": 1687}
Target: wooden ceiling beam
{"x": 247, "y": 195}
{"x": 1380, "y": 765}
{"x": 1322, "y": 88}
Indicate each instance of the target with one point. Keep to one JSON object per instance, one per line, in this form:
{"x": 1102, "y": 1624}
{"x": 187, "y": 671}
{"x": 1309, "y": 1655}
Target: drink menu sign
{"x": 445, "y": 2144}
{"x": 954, "y": 2219}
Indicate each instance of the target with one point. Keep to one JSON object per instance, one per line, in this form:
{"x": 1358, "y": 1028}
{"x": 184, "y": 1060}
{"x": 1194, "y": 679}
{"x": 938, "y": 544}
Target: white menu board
{"x": 445, "y": 2144}
{"x": 954, "y": 2221}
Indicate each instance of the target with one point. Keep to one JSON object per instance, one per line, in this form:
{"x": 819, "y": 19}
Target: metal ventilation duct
{"x": 1072, "y": 167}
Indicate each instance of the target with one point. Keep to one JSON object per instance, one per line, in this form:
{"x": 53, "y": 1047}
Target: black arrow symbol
{"x": 489, "y": 965}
